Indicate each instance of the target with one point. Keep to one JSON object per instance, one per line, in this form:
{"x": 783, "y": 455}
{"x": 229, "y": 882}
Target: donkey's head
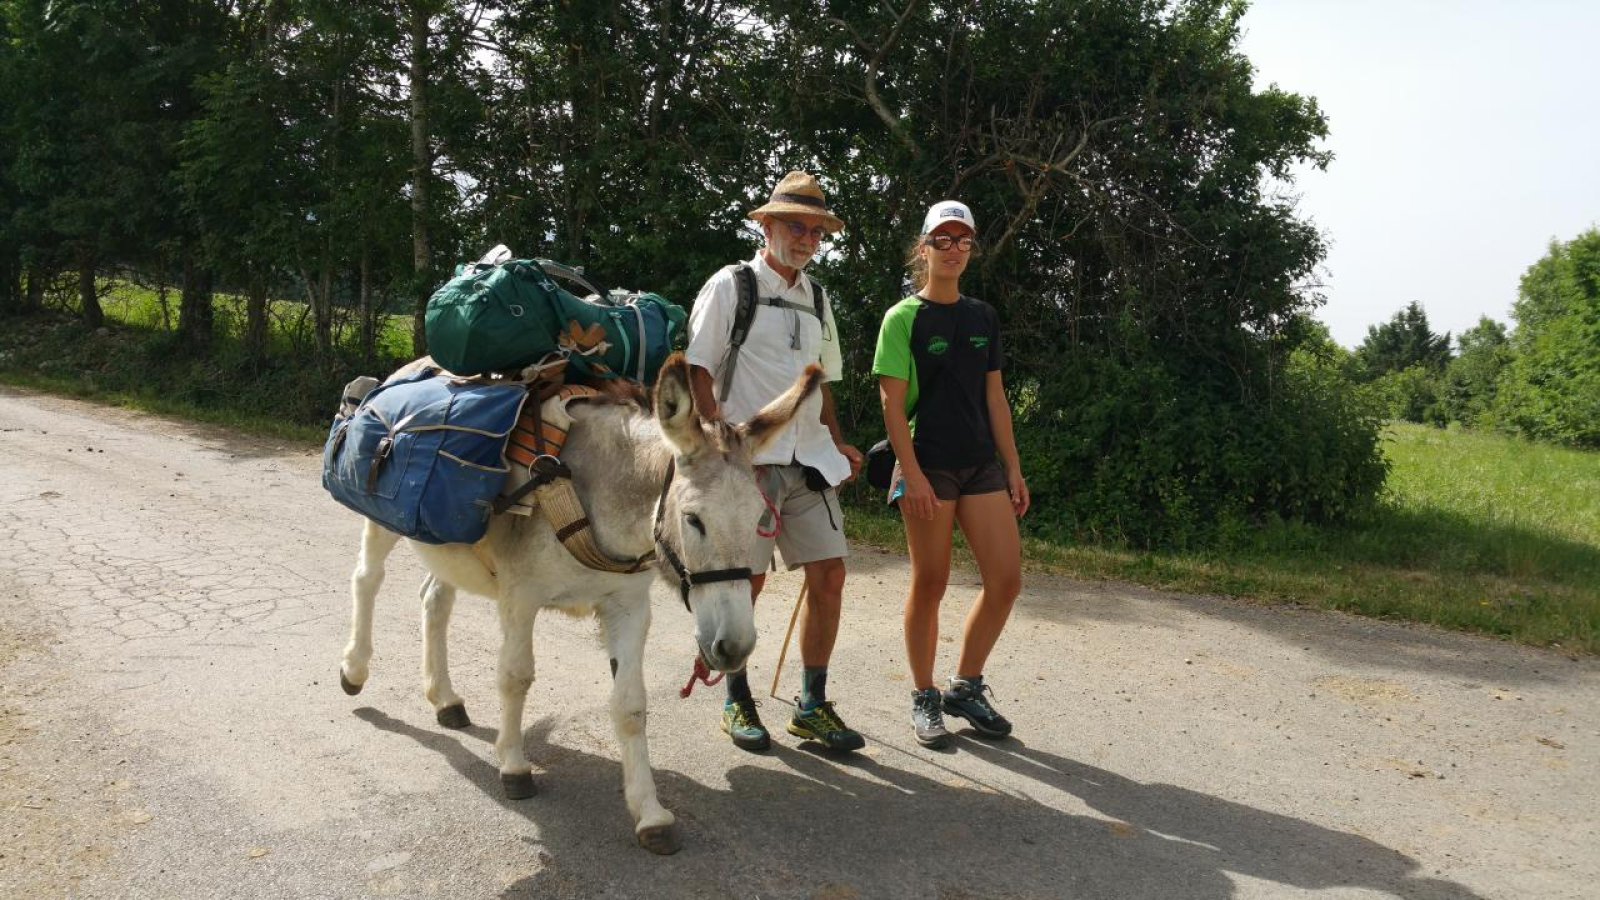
{"x": 706, "y": 524}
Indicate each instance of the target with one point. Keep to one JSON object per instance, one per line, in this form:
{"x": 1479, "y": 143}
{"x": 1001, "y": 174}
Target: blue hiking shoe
{"x": 743, "y": 724}
{"x": 966, "y": 699}
{"x": 823, "y": 725}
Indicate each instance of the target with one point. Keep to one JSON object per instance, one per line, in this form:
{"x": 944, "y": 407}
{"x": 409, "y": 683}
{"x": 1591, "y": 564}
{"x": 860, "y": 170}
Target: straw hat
{"x": 798, "y": 194}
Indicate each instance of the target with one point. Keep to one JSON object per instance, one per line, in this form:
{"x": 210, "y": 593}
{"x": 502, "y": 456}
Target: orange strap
{"x": 533, "y": 436}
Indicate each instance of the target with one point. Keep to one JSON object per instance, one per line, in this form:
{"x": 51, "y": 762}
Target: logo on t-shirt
{"x": 980, "y": 341}
{"x": 937, "y": 345}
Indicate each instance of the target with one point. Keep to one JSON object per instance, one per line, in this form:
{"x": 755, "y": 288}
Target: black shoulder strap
{"x": 744, "y": 279}
{"x": 745, "y": 310}
{"x": 816, "y": 300}
{"x": 816, "y": 296}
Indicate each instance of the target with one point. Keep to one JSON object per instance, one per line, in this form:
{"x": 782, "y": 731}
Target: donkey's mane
{"x": 620, "y": 392}
{"x": 724, "y": 437}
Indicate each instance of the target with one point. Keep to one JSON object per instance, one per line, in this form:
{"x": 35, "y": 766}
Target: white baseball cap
{"x": 946, "y": 211}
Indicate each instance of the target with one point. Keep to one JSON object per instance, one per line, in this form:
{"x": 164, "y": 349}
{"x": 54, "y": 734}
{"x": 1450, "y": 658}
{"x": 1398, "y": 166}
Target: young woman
{"x": 938, "y": 365}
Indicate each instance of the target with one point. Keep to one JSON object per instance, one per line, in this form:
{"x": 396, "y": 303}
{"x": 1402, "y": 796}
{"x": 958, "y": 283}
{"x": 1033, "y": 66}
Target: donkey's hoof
{"x": 518, "y": 785}
{"x": 661, "y": 840}
{"x": 453, "y": 716}
{"x": 351, "y": 689}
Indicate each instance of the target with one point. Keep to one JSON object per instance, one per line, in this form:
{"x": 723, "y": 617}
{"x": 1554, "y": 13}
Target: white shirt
{"x": 769, "y": 361}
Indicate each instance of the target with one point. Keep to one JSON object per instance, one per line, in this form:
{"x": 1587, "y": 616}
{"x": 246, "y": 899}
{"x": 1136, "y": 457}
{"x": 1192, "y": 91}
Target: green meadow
{"x": 1476, "y": 531}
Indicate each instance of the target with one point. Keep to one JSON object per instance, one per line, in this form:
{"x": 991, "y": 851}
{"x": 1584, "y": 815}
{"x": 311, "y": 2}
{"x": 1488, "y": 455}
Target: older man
{"x": 740, "y": 363}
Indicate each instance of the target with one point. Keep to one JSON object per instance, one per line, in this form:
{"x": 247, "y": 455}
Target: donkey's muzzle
{"x": 727, "y": 655}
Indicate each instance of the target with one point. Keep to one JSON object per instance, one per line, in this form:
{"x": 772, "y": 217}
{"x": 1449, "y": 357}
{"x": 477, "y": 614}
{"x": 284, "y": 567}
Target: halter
{"x": 686, "y": 578}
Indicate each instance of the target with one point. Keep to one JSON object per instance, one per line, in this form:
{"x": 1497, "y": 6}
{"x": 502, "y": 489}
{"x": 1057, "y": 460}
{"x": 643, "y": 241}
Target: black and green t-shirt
{"x": 944, "y": 351}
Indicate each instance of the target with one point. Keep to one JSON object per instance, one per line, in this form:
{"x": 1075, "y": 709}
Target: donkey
{"x": 665, "y": 480}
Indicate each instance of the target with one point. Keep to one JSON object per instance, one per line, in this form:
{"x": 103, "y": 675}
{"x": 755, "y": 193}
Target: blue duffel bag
{"x": 424, "y": 456}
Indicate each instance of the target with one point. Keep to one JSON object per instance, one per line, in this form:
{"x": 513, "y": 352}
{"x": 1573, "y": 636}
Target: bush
{"x": 1412, "y": 394}
{"x": 1158, "y": 453}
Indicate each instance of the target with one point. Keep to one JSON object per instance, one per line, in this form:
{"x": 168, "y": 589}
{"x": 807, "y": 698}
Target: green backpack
{"x": 494, "y": 317}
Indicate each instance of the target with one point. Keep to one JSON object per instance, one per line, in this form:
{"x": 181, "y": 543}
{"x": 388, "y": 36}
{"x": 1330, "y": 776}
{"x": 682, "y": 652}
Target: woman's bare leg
{"x": 990, "y": 527}
{"x": 928, "y": 544}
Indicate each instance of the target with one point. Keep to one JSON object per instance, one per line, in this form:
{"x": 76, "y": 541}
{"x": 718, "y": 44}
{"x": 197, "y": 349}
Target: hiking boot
{"x": 742, "y": 723}
{"x": 966, "y": 699}
{"x": 927, "y": 718}
{"x": 823, "y": 725}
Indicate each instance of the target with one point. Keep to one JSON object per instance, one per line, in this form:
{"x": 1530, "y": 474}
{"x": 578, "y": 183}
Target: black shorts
{"x": 953, "y": 484}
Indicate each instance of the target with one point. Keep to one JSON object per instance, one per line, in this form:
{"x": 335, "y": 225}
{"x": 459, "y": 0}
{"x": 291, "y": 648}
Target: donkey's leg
{"x": 376, "y": 544}
{"x": 627, "y": 622}
{"x": 517, "y": 611}
{"x": 438, "y": 599}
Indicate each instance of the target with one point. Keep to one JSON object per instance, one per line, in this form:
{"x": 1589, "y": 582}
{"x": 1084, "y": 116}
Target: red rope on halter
{"x": 700, "y": 674}
{"x": 777, "y": 518}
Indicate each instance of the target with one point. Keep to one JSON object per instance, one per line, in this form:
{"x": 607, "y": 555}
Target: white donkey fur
{"x": 618, "y": 453}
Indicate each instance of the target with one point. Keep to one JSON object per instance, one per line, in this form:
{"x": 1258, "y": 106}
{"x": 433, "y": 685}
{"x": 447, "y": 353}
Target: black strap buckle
{"x": 547, "y": 468}
{"x": 379, "y": 455}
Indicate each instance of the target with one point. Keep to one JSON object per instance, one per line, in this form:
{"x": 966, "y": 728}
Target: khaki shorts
{"x": 810, "y": 523}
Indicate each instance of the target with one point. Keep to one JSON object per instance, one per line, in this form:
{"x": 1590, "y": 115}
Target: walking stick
{"x": 778, "y": 669}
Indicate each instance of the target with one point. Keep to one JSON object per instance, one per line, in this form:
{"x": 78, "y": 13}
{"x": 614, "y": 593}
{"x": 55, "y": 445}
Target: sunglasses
{"x": 799, "y": 230}
{"x": 945, "y": 242}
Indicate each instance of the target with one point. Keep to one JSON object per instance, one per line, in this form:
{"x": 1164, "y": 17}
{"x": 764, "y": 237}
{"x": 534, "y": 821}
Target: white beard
{"x": 782, "y": 249}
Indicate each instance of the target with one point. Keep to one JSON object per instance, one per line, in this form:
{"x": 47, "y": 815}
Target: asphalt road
{"x": 173, "y": 605}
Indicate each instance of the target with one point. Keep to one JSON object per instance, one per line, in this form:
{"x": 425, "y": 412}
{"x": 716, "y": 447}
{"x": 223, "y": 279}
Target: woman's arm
{"x": 1005, "y": 441}
{"x": 918, "y": 499}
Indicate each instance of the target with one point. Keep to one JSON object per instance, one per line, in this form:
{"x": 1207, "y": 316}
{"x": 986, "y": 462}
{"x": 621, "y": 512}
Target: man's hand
{"x": 704, "y": 392}
{"x": 855, "y": 458}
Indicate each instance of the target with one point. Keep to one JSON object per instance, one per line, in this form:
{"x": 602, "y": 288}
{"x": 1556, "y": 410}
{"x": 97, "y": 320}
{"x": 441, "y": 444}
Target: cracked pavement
{"x": 173, "y": 605}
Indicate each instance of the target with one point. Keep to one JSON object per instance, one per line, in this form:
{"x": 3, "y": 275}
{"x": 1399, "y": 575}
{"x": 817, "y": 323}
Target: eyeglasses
{"x": 945, "y": 242}
{"x": 799, "y": 230}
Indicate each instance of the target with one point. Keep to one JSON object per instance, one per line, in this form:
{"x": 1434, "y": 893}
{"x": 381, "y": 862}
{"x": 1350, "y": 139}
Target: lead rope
{"x": 700, "y": 674}
{"x": 777, "y": 517}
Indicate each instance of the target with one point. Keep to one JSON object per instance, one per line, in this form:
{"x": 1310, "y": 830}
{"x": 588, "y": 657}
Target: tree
{"x": 1468, "y": 390}
{"x": 65, "y": 177}
{"x": 1153, "y": 296}
{"x": 1116, "y": 151}
{"x": 1402, "y": 342}
{"x": 11, "y": 239}
{"x": 1550, "y": 390}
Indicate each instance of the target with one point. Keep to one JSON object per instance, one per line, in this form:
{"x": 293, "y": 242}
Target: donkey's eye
{"x": 694, "y": 522}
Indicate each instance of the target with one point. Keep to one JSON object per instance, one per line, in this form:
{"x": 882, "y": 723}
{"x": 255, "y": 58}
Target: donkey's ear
{"x": 679, "y": 420}
{"x": 766, "y": 424}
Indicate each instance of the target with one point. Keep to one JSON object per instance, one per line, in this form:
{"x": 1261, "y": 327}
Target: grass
{"x": 1476, "y": 531}
{"x": 137, "y": 362}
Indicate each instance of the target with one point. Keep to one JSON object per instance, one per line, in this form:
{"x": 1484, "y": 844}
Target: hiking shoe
{"x": 927, "y": 718}
{"x": 823, "y": 725}
{"x": 966, "y": 699}
{"x": 742, "y": 723}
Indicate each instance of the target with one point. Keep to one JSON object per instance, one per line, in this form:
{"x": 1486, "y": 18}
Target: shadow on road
{"x": 826, "y": 827}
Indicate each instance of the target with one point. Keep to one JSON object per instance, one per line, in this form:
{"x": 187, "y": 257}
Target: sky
{"x": 1465, "y": 134}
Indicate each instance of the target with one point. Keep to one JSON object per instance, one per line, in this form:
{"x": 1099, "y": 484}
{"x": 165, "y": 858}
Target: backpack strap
{"x": 749, "y": 297}
{"x": 744, "y": 312}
